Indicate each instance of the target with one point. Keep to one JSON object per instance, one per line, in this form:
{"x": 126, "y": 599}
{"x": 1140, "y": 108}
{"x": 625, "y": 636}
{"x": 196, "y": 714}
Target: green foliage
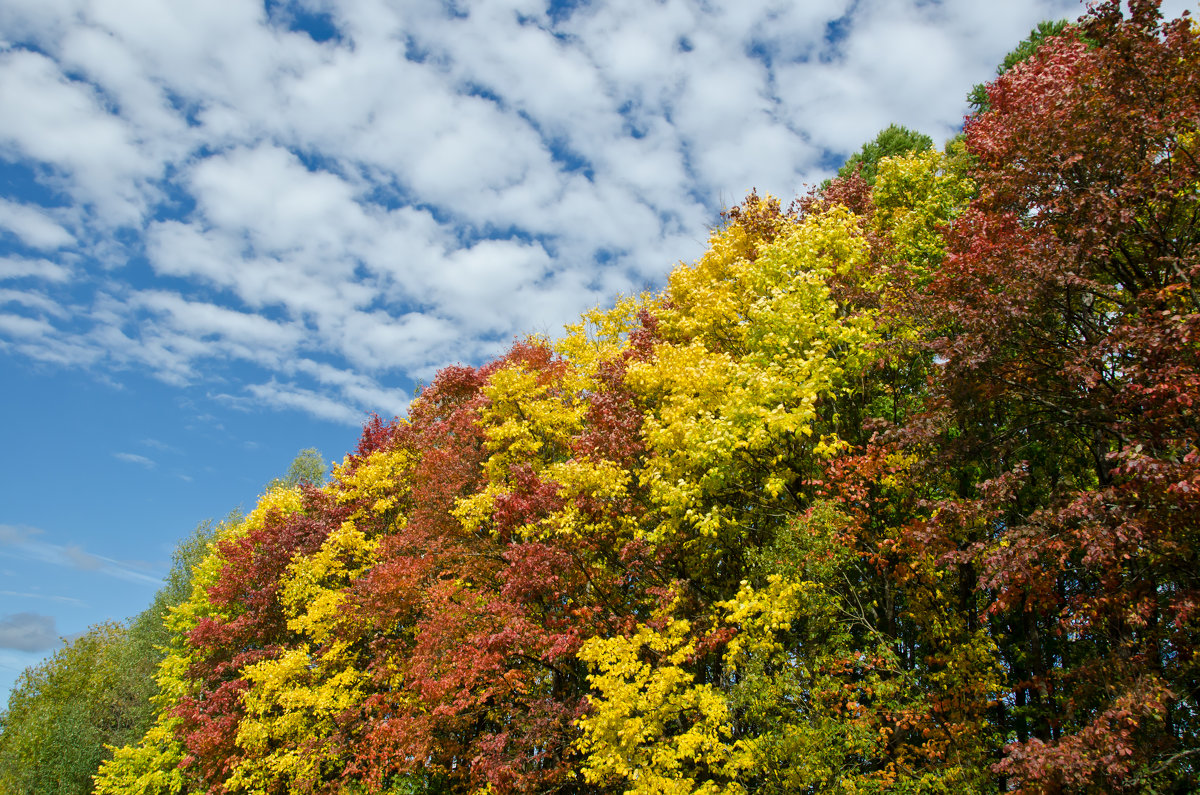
{"x": 893, "y": 141}
{"x": 63, "y": 712}
{"x": 148, "y": 632}
{"x": 307, "y": 468}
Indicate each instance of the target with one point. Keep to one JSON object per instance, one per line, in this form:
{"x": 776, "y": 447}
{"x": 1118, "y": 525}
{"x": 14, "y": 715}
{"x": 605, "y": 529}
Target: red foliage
{"x": 1070, "y": 301}
{"x": 249, "y": 627}
{"x": 479, "y": 628}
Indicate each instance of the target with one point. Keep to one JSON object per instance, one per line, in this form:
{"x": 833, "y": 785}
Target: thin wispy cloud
{"x": 134, "y": 458}
{"x": 29, "y": 543}
{"x": 67, "y": 600}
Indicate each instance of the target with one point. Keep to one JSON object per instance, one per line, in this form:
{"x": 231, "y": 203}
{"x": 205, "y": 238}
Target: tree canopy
{"x": 893, "y": 490}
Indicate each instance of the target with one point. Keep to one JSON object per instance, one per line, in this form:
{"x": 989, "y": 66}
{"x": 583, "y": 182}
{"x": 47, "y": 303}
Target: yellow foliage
{"x": 914, "y": 196}
{"x": 530, "y": 422}
{"x": 312, "y": 588}
{"x": 529, "y": 419}
{"x": 753, "y": 348}
{"x": 601, "y": 335}
{"x": 294, "y": 700}
{"x": 651, "y": 725}
{"x": 759, "y": 614}
{"x": 149, "y": 768}
{"x": 377, "y": 481}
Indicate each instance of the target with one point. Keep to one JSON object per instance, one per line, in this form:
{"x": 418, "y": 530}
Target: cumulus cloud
{"x": 43, "y": 269}
{"x": 223, "y": 199}
{"x": 34, "y": 226}
{"x": 28, "y": 632}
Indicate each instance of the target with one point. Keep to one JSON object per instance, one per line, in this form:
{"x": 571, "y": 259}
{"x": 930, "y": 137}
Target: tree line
{"x": 895, "y": 489}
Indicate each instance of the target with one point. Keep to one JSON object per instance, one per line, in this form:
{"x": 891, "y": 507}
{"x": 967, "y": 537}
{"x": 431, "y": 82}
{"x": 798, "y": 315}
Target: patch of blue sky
{"x": 516, "y": 234}
{"x": 456, "y": 9}
{"x": 697, "y": 189}
{"x": 567, "y": 159}
{"x": 478, "y": 90}
{"x": 416, "y": 51}
{"x": 832, "y": 160}
{"x": 387, "y": 192}
{"x": 837, "y": 31}
{"x": 186, "y": 109}
{"x": 178, "y": 457}
{"x": 174, "y": 202}
{"x": 298, "y": 18}
{"x": 105, "y": 98}
{"x": 31, "y": 183}
{"x": 606, "y": 255}
{"x": 761, "y": 51}
{"x": 633, "y": 118}
{"x": 317, "y": 161}
{"x": 561, "y": 10}
{"x": 613, "y": 257}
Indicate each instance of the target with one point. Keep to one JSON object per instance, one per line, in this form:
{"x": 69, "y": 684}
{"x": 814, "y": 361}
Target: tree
{"x": 64, "y": 711}
{"x": 1069, "y": 325}
{"x": 893, "y": 141}
{"x": 307, "y": 468}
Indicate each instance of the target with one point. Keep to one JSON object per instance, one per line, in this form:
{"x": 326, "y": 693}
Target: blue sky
{"x": 231, "y": 229}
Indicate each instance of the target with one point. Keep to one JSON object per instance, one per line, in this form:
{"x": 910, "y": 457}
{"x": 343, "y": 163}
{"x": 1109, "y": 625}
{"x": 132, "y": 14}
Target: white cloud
{"x": 275, "y": 204}
{"x": 200, "y": 320}
{"x": 33, "y": 225}
{"x": 32, "y": 300}
{"x": 44, "y": 269}
{"x": 308, "y": 401}
{"x": 24, "y": 327}
{"x": 62, "y": 123}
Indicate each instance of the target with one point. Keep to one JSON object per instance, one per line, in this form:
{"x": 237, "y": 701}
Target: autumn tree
{"x": 1070, "y": 374}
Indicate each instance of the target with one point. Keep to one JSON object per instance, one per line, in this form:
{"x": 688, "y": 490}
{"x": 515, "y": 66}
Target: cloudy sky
{"x": 230, "y": 229}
